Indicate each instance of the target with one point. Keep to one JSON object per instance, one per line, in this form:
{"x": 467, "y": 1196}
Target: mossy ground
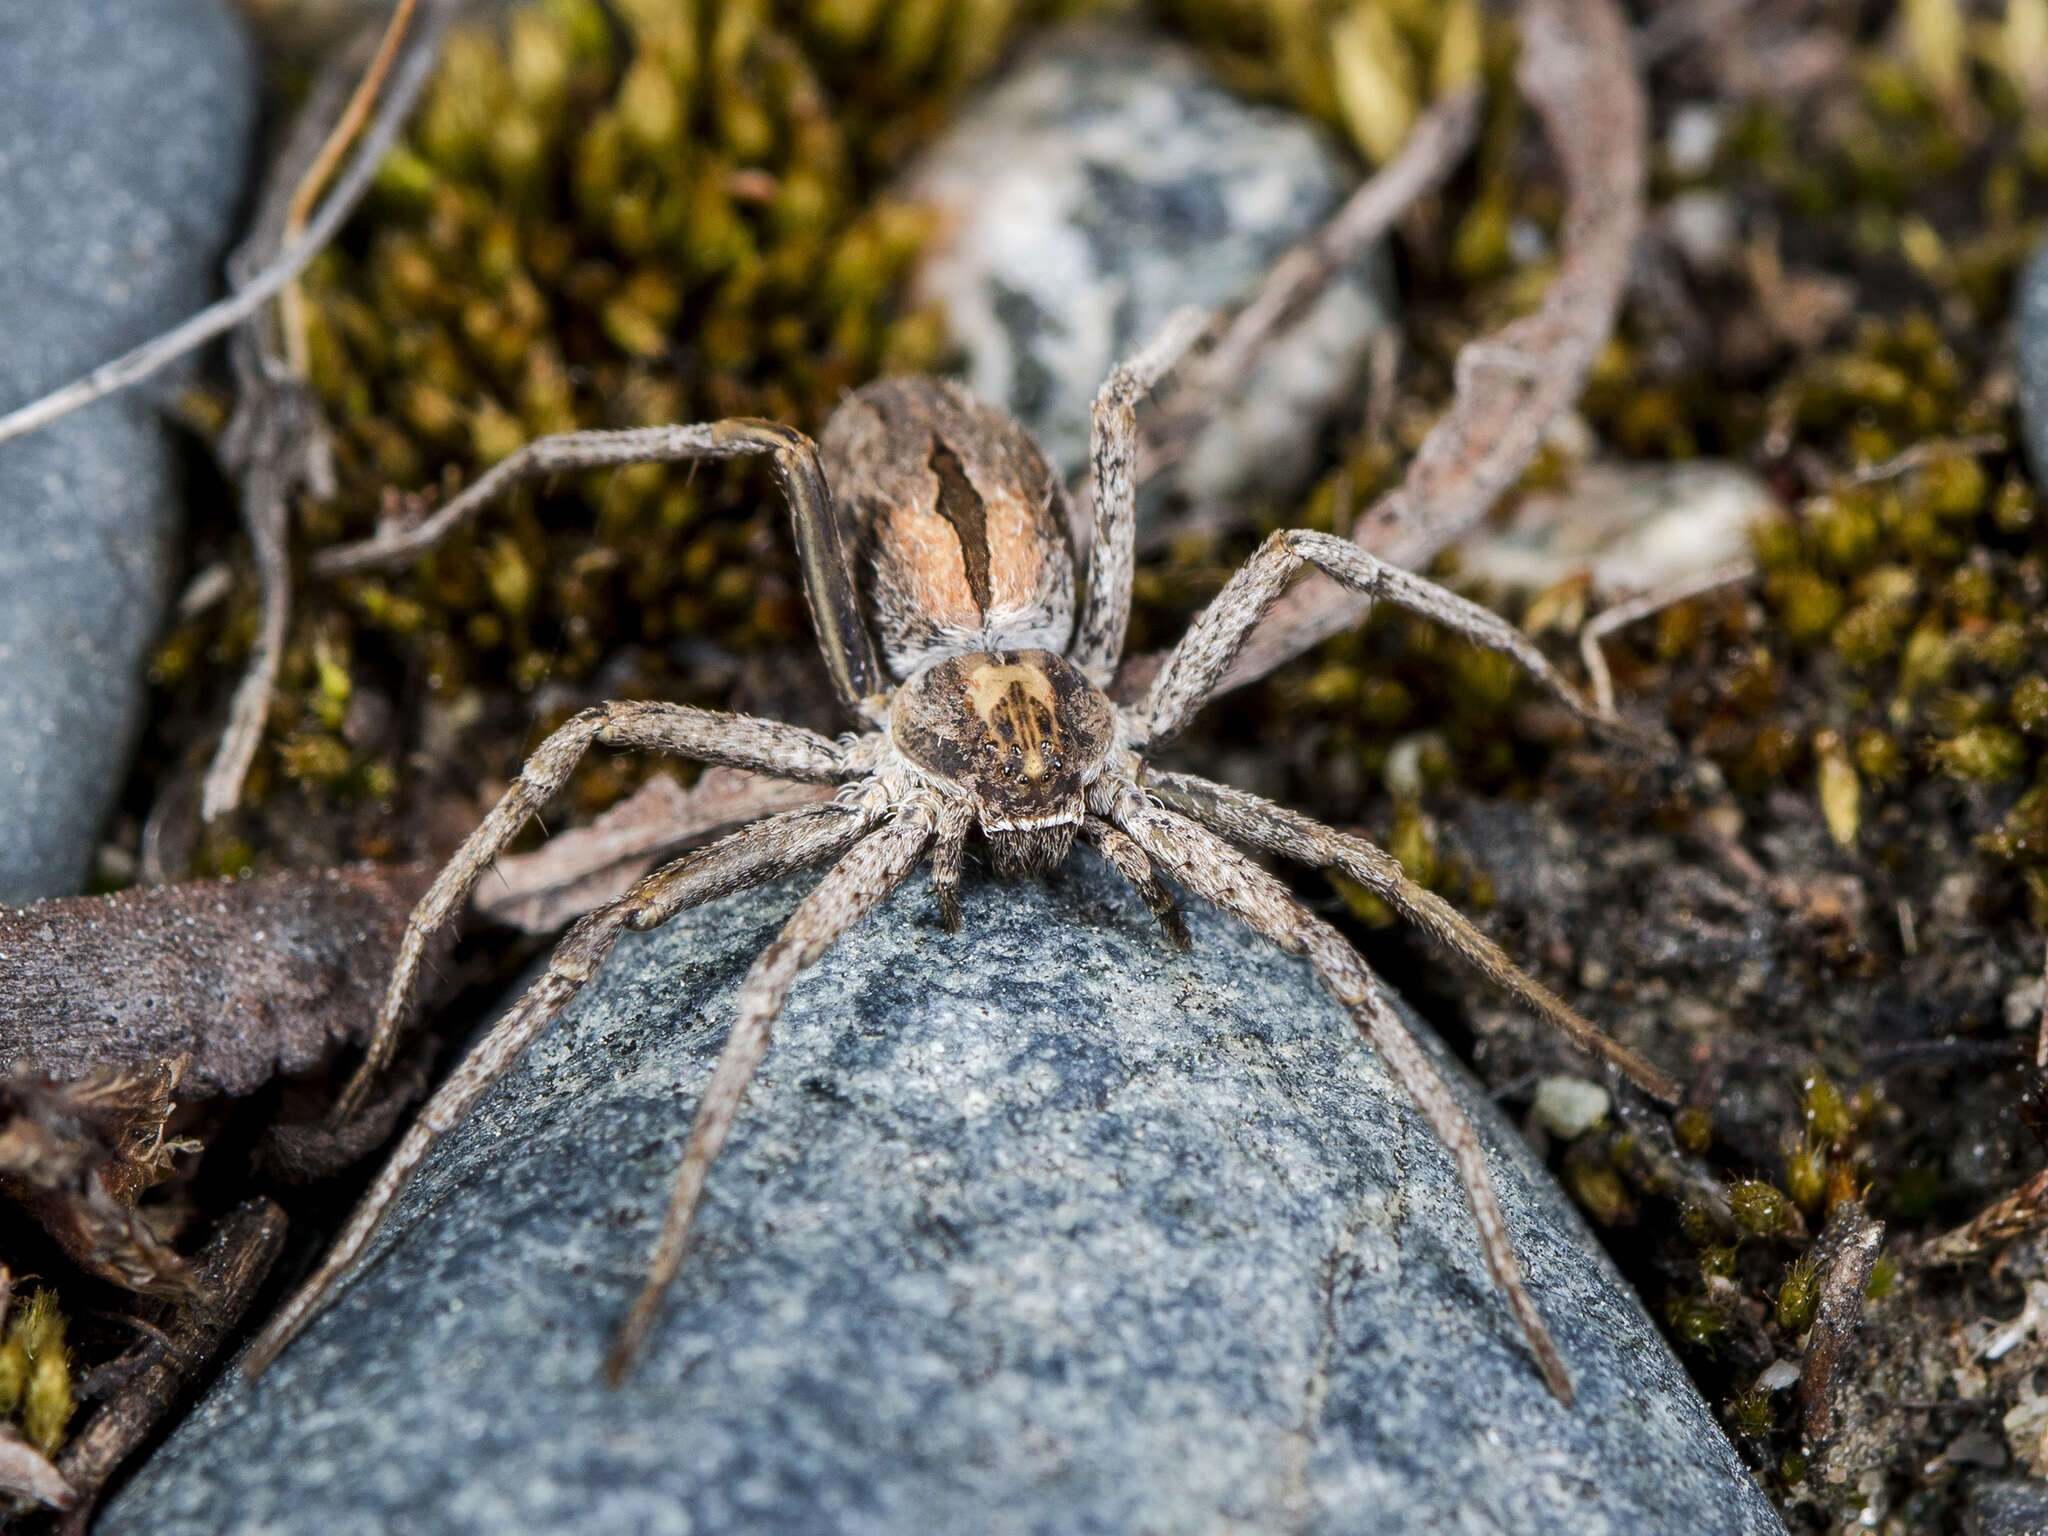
{"x": 652, "y": 212}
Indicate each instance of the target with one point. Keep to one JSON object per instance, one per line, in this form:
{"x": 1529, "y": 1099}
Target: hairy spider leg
{"x": 1246, "y": 818}
{"x": 829, "y": 587}
{"x": 851, "y": 889}
{"x": 1113, "y": 452}
{"x": 754, "y": 855}
{"x": 709, "y": 736}
{"x": 1193, "y": 669}
{"x": 1227, "y": 878}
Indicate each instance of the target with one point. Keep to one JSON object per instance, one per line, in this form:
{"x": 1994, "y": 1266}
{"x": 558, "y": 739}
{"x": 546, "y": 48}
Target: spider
{"x": 984, "y": 712}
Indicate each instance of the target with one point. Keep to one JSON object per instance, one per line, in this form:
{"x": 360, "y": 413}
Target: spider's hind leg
{"x": 1246, "y": 818}
{"x": 1219, "y": 873}
{"x": 752, "y": 856}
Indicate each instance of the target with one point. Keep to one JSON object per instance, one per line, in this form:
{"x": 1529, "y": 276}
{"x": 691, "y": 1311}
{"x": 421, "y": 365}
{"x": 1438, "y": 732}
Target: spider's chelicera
{"x": 951, "y": 630}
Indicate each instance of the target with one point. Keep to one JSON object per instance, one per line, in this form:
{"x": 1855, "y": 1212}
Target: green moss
{"x": 1799, "y": 1294}
{"x": 1760, "y": 1209}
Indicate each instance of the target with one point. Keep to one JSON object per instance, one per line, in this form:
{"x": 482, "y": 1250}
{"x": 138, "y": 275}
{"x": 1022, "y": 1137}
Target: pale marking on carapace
{"x": 1011, "y": 691}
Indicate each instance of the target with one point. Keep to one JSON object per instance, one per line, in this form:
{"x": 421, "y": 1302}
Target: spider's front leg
{"x": 1228, "y": 879}
{"x": 751, "y": 856}
{"x": 1191, "y": 672}
{"x": 738, "y": 741}
{"x": 1246, "y": 818}
{"x": 851, "y": 889}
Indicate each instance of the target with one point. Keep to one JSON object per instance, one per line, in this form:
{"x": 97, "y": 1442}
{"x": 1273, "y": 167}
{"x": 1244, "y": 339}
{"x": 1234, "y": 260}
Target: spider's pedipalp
{"x": 1129, "y": 860}
{"x": 751, "y": 856}
{"x": 1227, "y": 878}
{"x": 949, "y": 847}
{"x": 1246, "y": 818}
{"x": 851, "y": 889}
{"x": 1196, "y": 666}
{"x": 1113, "y": 458}
{"x": 738, "y": 741}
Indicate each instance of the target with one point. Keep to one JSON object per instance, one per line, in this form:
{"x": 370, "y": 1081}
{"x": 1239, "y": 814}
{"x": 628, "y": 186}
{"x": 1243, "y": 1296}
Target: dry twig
{"x": 1848, "y": 1246}
{"x": 291, "y": 303}
{"x": 408, "y": 77}
{"x": 2013, "y": 1215}
{"x": 227, "y": 1273}
{"x": 1576, "y": 71}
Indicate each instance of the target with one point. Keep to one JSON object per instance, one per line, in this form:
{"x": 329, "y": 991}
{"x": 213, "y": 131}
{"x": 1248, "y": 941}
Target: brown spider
{"x": 984, "y": 711}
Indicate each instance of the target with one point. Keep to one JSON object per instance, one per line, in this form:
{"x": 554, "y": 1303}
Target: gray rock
{"x": 124, "y": 140}
{"x": 2007, "y": 1506}
{"x": 2030, "y": 327}
{"x": 1105, "y": 182}
{"x": 1038, "y": 1227}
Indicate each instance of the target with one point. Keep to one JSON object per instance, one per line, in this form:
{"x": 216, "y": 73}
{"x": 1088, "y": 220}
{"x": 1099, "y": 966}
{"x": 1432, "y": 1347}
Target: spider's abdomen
{"x": 962, "y": 525}
{"x": 1022, "y": 732}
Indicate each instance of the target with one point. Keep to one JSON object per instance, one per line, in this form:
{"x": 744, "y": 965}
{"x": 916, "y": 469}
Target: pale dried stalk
{"x": 408, "y": 78}
{"x": 580, "y": 870}
{"x": 2014, "y": 1215}
{"x": 292, "y": 302}
{"x": 1577, "y": 72}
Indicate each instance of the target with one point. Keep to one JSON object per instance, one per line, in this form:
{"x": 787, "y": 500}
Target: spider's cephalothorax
{"x": 984, "y": 707}
{"x": 1021, "y": 734}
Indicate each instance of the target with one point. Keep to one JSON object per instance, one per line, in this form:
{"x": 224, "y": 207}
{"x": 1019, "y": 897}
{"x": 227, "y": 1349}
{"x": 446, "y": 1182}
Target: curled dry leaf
{"x": 1577, "y": 71}
{"x": 583, "y": 868}
{"x": 26, "y": 1473}
{"x": 76, "y": 1155}
{"x": 241, "y": 980}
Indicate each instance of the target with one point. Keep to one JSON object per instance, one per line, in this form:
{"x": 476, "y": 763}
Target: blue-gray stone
{"x": 1038, "y": 1227}
{"x": 1103, "y": 183}
{"x": 2030, "y": 305}
{"x": 125, "y": 137}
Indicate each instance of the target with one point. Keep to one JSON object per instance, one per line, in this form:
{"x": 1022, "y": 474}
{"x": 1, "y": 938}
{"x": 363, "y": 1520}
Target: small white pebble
{"x": 1693, "y": 138}
{"x": 1568, "y": 1107}
{"x": 1779, "y": 1375}
{"x": 974, "y": 1104}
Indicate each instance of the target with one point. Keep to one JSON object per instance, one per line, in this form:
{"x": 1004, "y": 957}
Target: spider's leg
{"x": 1129, "y": 861}
{"x": 821, "y": 546}
{"x": 1106, "y": 606}
{"x": 751, "y": 856}
{"x": 1245, "y": 818}
{"x": 1193, "y": 669}
{"x": 949, "y": 846}
{"x": 851, "y": 889}
{"x": 1219, "y": 873}
{"x": 739, "y": 741}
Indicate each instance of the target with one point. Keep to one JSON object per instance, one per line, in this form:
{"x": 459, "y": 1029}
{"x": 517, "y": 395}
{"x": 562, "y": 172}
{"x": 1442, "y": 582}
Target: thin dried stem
{"x": 292, "y": 302}
{"x": 408, "y": 78}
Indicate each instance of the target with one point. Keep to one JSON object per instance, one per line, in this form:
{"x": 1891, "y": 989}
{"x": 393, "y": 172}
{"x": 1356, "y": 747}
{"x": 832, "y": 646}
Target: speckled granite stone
{"x": 125, "y": 138}
{"x": 1039, "y": 1227}
{"x": 1103, "y": 183}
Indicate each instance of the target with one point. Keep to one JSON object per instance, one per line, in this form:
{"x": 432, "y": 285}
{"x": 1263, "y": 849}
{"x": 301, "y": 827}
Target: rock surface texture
{"x": 124, "y": 139}
{"x": 1037, "y": 1227}
{"x": 1104, "y": 183}
{"x": 2030, "y": 330}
